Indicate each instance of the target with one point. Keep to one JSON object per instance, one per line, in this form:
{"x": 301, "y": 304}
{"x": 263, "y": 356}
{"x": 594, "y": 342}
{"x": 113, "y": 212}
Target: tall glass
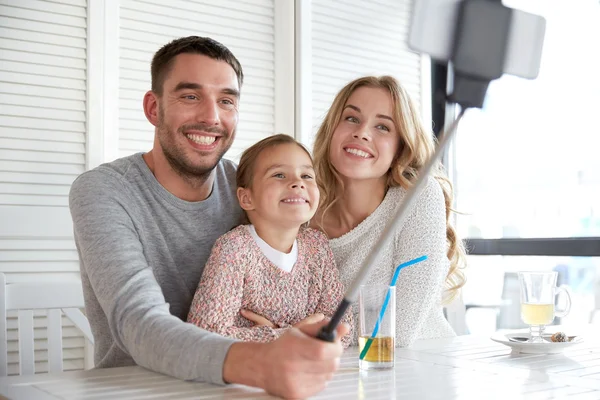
{"x": 377, "y": 326}
{"x": 538, "y": 295}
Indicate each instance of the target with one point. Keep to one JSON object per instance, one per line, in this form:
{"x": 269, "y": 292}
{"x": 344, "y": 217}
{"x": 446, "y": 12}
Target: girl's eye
{"x": 383, "y": 128}
{"x": 306, "y": 176}
{"x": 278, "y": 176}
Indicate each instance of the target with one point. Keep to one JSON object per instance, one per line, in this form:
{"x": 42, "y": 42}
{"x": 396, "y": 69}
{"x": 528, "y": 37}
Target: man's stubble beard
{"x": 194, "y": 175}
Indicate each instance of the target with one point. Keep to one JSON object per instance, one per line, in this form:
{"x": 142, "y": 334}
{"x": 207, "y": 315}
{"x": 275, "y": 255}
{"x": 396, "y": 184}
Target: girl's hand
{"x": 258, "y": 320}
{"x": 311, "y": 319}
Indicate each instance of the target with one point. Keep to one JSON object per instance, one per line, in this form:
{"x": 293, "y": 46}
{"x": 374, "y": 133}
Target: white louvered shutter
{"x": 42, "y": 150}
{"x": 246, "y": 28}
{"x": 352, "y": 38}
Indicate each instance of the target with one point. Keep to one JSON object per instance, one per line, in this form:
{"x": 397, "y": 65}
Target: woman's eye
{"x": 354, "y": 120}
{"x": 383, "y": 128}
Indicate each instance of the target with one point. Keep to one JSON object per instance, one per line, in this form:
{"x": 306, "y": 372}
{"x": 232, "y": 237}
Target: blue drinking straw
{"x": 386, "y": 301}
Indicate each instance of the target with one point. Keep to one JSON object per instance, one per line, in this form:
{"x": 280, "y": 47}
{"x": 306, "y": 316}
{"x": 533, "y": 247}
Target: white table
{"x": 465, "y": 367}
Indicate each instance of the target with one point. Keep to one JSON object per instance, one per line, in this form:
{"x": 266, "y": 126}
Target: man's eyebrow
{"x": 187, "y": 85}
{"x": 378, "y": 115}
{"x": 196, "y": 86}
{"x": 231, "y": 92}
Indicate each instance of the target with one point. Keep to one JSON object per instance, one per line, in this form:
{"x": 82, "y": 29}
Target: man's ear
{"x": 245, "y": 199}
{"x": 151, "y": 107}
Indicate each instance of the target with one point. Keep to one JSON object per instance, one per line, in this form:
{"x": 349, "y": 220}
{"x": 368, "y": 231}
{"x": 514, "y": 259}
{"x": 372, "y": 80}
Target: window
{"x": 527, "y": 174}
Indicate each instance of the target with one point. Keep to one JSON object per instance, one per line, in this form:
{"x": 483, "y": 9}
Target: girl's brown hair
{"x": 416, "y": 147}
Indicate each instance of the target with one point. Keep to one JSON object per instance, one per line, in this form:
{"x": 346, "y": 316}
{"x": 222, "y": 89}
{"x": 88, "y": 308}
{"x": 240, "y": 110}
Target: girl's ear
{"x": 245, "y": 199}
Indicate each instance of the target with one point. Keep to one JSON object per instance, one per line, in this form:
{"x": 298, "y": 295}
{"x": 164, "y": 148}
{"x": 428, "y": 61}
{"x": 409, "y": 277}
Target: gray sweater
{"x": 142, "y": 252}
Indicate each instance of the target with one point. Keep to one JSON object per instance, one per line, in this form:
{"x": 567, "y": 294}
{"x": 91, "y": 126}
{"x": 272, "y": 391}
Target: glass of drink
{"x": 538, "y": 295}
{"x": 377, "y": 326}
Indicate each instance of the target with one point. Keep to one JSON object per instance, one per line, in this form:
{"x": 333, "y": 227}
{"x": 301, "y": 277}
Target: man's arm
{"x": 295, "y": 366}
{"x": 138, "y": 316}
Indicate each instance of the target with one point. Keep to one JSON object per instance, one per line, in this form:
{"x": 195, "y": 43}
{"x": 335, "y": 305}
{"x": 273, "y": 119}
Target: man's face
{"x": 197, "y": 113}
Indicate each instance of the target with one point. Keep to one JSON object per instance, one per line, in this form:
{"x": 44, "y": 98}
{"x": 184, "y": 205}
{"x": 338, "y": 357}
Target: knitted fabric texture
{"x": 239, "y": 276}
{"x": 419, "y": 313}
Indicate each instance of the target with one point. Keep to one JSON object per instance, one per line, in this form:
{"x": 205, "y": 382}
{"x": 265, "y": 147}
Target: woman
{"x": 368, "y": 152}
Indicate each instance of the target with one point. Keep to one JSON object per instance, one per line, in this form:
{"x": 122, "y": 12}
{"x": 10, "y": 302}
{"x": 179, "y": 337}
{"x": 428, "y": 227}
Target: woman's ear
{"x": 245, "y": 199}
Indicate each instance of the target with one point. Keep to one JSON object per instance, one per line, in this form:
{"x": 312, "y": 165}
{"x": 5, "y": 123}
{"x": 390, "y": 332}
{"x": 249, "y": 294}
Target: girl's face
{"x": 365, "y": 141}
{"x": 284, "y": 192}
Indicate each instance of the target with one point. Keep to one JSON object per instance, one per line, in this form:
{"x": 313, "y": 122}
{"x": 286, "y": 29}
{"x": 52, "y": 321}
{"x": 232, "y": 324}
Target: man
{"x": 145, "y": 224}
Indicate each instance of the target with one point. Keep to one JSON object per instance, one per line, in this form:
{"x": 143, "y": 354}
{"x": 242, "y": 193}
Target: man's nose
{"x": 209, "y": 113}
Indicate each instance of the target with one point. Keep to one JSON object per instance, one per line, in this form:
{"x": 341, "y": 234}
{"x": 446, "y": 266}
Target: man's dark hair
{"x": 163, "y": 59}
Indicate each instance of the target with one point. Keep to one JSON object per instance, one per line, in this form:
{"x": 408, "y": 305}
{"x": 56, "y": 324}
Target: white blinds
{"x": 352, "y": 38}
{"x": 42, "y": 149}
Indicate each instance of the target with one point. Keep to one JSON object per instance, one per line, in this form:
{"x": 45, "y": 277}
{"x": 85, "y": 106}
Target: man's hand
{"x": 295, "y": 366}
{"x": 259, "y": 320}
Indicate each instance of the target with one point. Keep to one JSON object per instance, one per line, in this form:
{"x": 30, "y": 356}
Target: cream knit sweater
{"x": 419, "y": 287}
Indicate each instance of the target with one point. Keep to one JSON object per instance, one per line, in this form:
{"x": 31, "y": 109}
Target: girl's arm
{"x": 218, "y": 299}
{"x": 332, "y": 291}
{"x": 419, "y": 287}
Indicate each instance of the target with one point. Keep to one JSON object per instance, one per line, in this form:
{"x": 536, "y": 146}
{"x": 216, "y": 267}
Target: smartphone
{"x": 434, "y": 28}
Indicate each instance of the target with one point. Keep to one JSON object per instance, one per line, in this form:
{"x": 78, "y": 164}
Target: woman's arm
{"x": 332, "y": 289}
{"x": 218, "y": 299}
{"x": 419, "y": 287}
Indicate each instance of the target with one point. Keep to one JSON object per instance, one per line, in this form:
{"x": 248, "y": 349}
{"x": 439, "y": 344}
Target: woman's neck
{"x": 356, "y": 202}
{"x": 279, "y": 238}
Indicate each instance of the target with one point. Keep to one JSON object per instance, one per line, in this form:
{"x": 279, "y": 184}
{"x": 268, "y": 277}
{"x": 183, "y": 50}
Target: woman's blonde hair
{"x": 416, "y": 147}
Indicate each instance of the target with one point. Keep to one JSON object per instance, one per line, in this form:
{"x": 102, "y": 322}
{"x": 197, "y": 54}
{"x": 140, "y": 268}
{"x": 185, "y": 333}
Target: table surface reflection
{"x": 465, "y": 367}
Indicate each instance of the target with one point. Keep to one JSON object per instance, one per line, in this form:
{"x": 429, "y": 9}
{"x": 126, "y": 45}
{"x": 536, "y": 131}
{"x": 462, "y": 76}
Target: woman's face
{"x": 365, "y": 141}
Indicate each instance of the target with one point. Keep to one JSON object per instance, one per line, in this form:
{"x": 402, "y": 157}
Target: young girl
{"x": 274, "y": 267}
{"x": 368, "y": 152}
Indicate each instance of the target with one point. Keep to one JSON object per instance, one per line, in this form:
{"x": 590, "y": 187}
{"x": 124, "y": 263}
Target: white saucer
{"x": 547, "y": 347}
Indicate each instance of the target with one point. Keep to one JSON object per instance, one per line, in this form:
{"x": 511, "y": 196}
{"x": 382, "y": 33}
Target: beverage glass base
{"x": 374, "y": 365}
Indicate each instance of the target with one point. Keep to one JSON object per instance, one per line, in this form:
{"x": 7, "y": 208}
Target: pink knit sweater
{"x": 238, "y": 275}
